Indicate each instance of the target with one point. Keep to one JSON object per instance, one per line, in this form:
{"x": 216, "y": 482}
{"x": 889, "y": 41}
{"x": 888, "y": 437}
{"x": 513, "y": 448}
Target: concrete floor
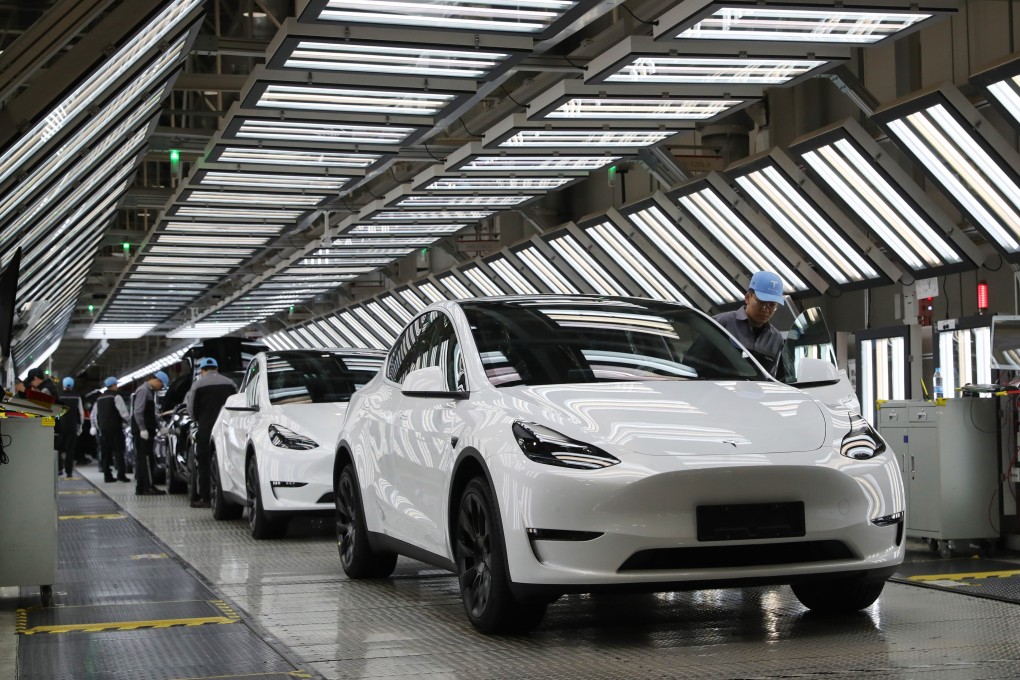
{"x": 293, "y": 592}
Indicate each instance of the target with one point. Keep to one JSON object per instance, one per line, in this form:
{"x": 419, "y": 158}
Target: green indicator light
{"x": 91, "y": 308}
{"x": 126, "y": 246}
{"x": 175, "y": 156}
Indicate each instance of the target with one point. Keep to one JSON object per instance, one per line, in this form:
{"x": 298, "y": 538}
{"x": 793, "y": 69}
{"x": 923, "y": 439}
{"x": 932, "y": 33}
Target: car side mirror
{"x": 812, "y": 372}
{"x": 429, "y": 382}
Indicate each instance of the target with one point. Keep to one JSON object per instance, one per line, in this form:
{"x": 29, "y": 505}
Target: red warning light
{"x": 982, "y": 296}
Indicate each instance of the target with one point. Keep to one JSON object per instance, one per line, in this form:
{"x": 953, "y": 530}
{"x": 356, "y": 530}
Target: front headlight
{"x": 289, "y": 439}
{"x": 862, "y": 441}
{"x": 543, "y": 445}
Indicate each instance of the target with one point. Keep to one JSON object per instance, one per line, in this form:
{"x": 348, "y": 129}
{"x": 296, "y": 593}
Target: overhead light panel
{"x": 860, "y": 23}
{"x": 511, "y": 277}
{"x": 976, "y": 167}
{"x": 621, "y": 251}
{"x": 858, "y": 173}
{"x": 543, "y": 268}
{"x": 581, "y": 261}
{"x": 117, "y": 331}
{"x": 262, "y": 181}
{"x": 308, "y": 131}
{"x": 639, "y": 60}
{"x": 482, "y": 281}
{"x": 250, "y": 155}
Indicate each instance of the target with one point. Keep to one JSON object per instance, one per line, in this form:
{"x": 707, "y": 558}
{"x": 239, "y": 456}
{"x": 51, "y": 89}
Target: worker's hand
{"x": 144, "y": 434}
{"x": 92, "y": 431}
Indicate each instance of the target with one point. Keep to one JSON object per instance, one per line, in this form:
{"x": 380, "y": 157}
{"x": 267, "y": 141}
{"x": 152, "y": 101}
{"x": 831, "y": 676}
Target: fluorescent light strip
{"x": 185, "y": 210}
{"x": 532, "y": 184}
{"x": 431, "y": 292}
{"x": 634, "y": 262}
{"x": 108, "y": 331}
{"x": 297, "y": 157}
{"x": 198, "y": 251}
{"x": 531, "y": 16}
{"x": 879, "y": 205}
{"x": 216, "y": 229}
{"x": 257, "y": 180}
{"x": 788, "y": 24}
{"x": 714, "y": 70}
{"x": 687, "y": 256}
{"x": 321, "y": 132}
{"x": 483, "y": 282}
{"x": 456, "y": 288}
{"x": 96, "y": 85}
{"x": 390, "y": 229}
{"x": 442, "y": 201}
{"x": 393, "y": 325}
{"x": 368, "y": 321}
{"x": 965, "y": 170}
{"x": 783, "y": 202}
{"x": 512, "y": 277}
{"x": 205, "y": 329}
{"x": 369, "y": 338}
{"x": 164, "y": 269}
{"x": 738, "y": 238}
{"x": 537, "y": 163}
{"x": 170, "y": 260}
{"x": 1007, "y": 93}
{"x": 278, "y": 341}
{"x": 395, "y": 307}
{"x": 352, "y": 100}
{"x": 361, "y": 58}
{"x": 582, "y": 262}
{"x": 410, "y": 298}
{"x": 650, "y": 108}
{"x": 586, "y": 138}
{"x": 443, "y": 215}
{"x": 349, "y": 338}
{"x": 544, "y": 269}
{"x": 227, "y": 240}
{"x": 253, "y": 198}
{"x": 341, "y": 244}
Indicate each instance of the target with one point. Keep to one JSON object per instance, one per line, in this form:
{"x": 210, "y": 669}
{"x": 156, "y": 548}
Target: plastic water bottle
{"x": 936, "y": 382}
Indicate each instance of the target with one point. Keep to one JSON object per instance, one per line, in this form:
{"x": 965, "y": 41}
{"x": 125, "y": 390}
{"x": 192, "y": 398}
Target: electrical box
{"x": 948, "y": 454}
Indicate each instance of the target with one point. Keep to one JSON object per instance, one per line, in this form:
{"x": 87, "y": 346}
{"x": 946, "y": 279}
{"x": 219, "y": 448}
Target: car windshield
{"x": 612, "y": 340}
{"x": 315, "y": 377}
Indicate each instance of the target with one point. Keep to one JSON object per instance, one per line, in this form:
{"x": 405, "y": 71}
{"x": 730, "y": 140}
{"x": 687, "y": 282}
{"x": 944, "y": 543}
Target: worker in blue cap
{"x": 109, "y": 416}
{"x": 204, "y": 401}
{"x": 143, "y": 429}
{"x": 751, "y": 324}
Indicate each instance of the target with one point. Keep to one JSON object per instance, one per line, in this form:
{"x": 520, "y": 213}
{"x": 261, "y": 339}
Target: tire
{"x": 260, "y": 525}
{"x": 356, "y": 555}
{"x": 838, "y": 596}
{"x": 175, "y": 482}
{"x": 945, "y": 549}
{"x": 480, "y": 555}
{"x": 222, "y": 509}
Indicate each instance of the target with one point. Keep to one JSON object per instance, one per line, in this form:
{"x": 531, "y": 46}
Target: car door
{"x": 240, "y": 416}
{"x": 425, "y": 427}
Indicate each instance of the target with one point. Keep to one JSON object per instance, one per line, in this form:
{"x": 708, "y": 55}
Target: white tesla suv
{"x": 547, "y": 445}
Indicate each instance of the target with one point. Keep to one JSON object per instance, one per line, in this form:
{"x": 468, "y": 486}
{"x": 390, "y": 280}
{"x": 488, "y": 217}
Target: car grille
{"x": 723, "y": 556}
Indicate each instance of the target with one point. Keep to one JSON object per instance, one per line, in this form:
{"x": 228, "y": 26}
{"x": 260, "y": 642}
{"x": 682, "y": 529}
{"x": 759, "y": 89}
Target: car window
{"x": 316, "y": 377}
{"x": 251, "y": 383}
{"x": 409, "y": 349}
{"x": 522, "y": 343}
{"x": 444, "y": 351}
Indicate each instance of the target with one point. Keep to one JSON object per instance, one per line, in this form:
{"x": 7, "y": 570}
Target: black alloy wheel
{"x": 357, "y": 557}
{"x": 259, "y": 523}
{"x": 221, "y": 508}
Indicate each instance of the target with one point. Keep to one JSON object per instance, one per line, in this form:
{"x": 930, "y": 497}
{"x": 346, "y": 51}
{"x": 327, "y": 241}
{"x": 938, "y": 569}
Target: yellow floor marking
{"x": 271, "y": 674}
{"x": 960, "y": 577}
{"x": 106, "y": 516}
{"x": 77, "y": 493}
{"x": 126, "y": 625}
{"x": 150, "y": 556}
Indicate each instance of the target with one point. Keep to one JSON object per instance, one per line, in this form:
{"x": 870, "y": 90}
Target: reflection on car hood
{"x": 678, "y": 417}
{"x": 321, "y": 422}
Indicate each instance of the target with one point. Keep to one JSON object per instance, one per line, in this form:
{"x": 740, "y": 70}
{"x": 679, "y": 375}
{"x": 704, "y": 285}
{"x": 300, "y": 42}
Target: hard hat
{"x": 68, "y": 382}
{"x": 110, "y": 382}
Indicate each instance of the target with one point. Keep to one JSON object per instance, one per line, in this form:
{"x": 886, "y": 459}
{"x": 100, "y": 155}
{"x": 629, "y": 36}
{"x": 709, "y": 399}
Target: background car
{"x": 274, "y": 441}
{"x": 547, "y": 445}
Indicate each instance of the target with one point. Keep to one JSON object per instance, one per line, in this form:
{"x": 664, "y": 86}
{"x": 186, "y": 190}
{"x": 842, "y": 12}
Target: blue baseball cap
{"x": 68, "y": 382}
{"x": 110, "y": 382}
{"x": 207, "y": 362}
{"x": 767, "y": 287}
{"x": 163, "y": 377}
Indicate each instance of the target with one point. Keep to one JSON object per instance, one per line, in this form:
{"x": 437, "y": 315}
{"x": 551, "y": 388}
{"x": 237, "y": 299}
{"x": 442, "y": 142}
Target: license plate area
{"x": 750, "y": 521}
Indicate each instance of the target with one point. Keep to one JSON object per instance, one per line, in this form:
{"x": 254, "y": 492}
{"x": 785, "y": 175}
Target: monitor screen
{"x": 1006, "y": 343}
{"x": 8, "y": 295}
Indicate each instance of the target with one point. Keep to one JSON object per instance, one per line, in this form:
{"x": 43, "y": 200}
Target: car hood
{"x": 677, "y": 417}
{"x": 321, "y": 422}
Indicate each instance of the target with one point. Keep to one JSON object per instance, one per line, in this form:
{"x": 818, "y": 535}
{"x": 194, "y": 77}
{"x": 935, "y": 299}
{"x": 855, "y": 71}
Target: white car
{"x": 547, "y": 445}
{"x": 274, "y": 441}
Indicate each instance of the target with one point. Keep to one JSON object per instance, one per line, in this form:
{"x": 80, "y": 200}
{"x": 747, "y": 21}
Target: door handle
{"x": 911, "y": 465}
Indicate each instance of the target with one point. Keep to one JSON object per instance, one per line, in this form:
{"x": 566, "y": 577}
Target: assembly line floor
{"x": 149, "y": 588}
